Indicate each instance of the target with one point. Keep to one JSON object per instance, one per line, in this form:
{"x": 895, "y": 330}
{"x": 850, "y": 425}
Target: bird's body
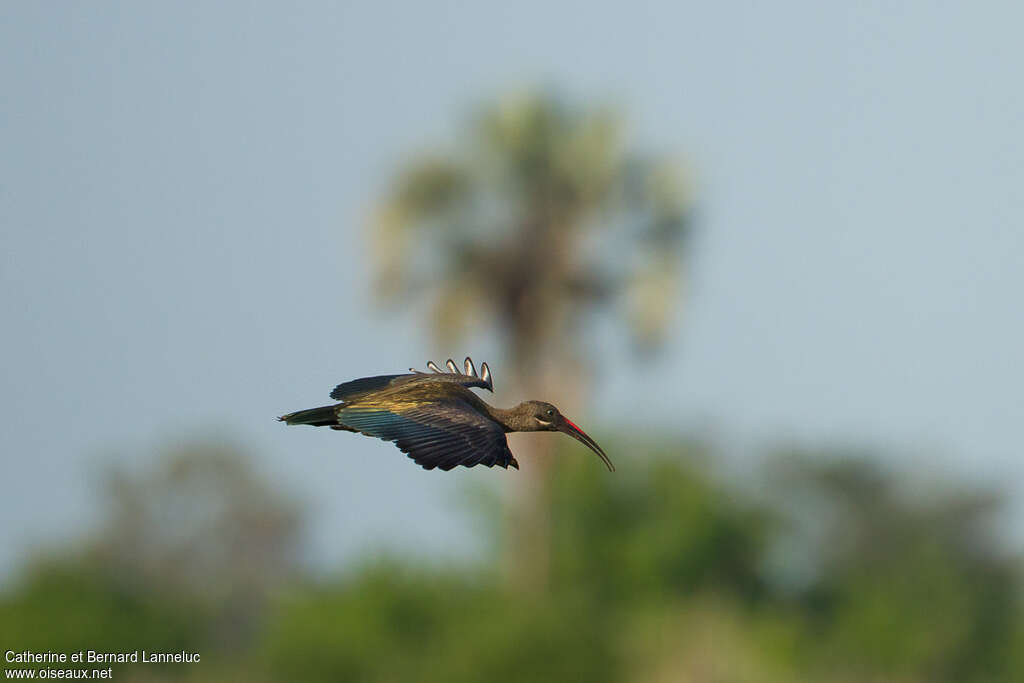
{"x": 436, "y": 419}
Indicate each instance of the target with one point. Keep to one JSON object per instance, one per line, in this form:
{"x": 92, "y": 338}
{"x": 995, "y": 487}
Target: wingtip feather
{"x": 485, "y": 375}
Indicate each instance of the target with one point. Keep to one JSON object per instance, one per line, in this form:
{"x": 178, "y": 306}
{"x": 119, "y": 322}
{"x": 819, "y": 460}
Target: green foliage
{"x": 662, "y": 530}
{"x": 909, "y": 584}
{"x": 184, "y": 560}
{"x": 658, "y": 573}
{"x": 388, "y": 624}
{"x": 71, "y": 604}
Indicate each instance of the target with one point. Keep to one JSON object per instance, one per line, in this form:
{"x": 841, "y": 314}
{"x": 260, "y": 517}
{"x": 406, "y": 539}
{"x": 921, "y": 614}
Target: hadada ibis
{"x": 436, "y": 419}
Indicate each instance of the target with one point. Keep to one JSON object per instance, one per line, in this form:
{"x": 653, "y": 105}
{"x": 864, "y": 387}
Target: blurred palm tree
{"x": 542, "y": 220}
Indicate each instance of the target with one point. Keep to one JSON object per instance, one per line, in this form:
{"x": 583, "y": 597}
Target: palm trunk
{"x": 546, "y": 375}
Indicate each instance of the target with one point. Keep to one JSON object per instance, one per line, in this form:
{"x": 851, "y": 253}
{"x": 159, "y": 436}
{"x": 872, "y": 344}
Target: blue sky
{"x": 184, "y": 193}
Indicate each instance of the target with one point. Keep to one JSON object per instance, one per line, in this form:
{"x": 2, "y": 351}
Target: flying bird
{"x": 435, "y": 419}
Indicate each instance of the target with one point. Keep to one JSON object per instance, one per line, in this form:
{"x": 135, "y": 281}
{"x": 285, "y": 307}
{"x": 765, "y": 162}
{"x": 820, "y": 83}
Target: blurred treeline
{"x": 829, "y": 569}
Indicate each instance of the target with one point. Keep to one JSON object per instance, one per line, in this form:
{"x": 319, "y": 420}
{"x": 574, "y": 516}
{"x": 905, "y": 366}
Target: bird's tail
{"x": 317, "y": 417}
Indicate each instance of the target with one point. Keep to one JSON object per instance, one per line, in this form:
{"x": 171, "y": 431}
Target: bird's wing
{"x": 443, "y": 434}
{"x": 349, "y": 390}
{"x": 365, "y": 385}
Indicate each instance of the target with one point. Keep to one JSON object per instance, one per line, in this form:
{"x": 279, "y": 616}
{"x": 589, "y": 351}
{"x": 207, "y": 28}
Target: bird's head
{"x": 540, "y": 416}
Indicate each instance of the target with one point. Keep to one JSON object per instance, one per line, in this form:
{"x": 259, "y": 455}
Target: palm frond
{"x": 499, "y": 229}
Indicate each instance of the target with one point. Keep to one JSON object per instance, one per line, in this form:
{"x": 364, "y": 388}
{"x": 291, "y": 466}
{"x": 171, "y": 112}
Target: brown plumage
{"x": 436, "y": 419}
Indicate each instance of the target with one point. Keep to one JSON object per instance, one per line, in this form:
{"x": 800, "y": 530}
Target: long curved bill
{"x": 566, "y": 426}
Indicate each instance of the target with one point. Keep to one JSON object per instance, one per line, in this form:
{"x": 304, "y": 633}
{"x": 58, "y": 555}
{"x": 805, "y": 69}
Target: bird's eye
{"x": 550, "y": 412}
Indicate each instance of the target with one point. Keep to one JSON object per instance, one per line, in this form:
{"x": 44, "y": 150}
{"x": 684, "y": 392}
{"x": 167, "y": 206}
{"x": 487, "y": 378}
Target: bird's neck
{"x": 510, "y": 419}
